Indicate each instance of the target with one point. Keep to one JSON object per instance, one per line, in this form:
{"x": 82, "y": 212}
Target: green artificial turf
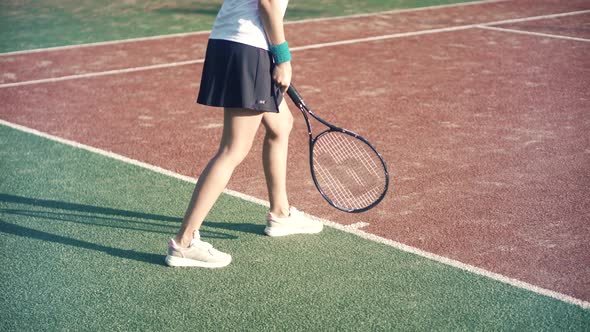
{"x": 83, "y": 238}
{"x": 37, "y": 24}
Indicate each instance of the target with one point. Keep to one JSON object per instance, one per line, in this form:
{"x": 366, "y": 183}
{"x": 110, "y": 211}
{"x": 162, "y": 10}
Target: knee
{"x": 287, "y": 125}
{"x": 234, "y": 155}
{"x": 282, "y": 129}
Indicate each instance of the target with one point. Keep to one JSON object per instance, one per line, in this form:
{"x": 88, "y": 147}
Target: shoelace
{"x": 202, "y": 244}
{"x": 294, "y": 211}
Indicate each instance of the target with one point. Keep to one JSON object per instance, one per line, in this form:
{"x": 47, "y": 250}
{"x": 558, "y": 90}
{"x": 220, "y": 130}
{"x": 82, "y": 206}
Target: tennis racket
{"x": 346, "y": 169}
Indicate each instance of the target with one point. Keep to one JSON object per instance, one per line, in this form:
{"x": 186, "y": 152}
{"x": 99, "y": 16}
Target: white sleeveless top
{"x": 239, "y": 21}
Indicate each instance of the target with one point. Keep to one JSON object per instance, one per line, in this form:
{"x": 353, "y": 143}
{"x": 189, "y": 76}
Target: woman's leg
{"x": 282, "y": 219}
{"x": 276, "y": 142}
{"x": 239, "y": 130}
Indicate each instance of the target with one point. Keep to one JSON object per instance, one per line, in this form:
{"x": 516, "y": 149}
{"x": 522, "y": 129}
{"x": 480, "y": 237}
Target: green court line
{"x": 83, "y": 238}
{"x": 29, "y": 24}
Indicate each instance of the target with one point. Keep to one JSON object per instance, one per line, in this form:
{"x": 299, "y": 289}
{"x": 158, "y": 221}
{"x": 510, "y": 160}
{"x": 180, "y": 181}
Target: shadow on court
{"x": 95, "y": 216}
{"x": 17, "y": 230}
{"x": 83, "y": 208}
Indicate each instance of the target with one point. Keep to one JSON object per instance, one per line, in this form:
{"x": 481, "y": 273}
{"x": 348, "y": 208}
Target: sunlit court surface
{"x": 480, "y": 110}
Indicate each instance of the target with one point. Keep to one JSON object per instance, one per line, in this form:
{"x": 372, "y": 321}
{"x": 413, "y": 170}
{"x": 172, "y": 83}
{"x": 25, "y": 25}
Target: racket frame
{"x": 306, "y": 111}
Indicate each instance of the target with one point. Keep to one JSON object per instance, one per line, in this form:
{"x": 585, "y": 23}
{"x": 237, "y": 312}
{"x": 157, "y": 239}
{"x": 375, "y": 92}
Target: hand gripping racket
{"x": 346, "y": 169}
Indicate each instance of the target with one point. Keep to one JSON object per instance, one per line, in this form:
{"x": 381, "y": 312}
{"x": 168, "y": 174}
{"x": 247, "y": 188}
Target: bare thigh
{"x": 239, "y": 129}
{"x": 278, "y": 124}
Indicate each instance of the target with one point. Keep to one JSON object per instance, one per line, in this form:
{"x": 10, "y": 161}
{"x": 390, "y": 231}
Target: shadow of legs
{"x": 17, "y": 230}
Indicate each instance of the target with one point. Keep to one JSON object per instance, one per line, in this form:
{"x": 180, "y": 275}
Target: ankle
{"x": 182, "y": 242}
{"x": 184, "y": 239}
{"x": 280, "y": 212}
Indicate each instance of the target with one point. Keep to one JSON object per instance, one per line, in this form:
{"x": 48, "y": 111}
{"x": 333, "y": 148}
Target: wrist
{"x": 280, "y": 52}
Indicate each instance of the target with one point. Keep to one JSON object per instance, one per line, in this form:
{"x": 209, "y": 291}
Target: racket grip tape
{"x": 295, "y": 96}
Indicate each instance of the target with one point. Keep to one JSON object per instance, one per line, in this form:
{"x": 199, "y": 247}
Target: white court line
{"x": 395, "y": 11}
{"x": 356, "y": 225}
{"x": 352, "y": 229}
{"x": 102, "y": 73}
{"x": 438, "y": 30}
{"x": 194, "y": 33}
{"x": 541, "y": 17}
{"x": 530, "y": 33}
{"x": 300, "y": 48}
{"x": 105, "y": 43}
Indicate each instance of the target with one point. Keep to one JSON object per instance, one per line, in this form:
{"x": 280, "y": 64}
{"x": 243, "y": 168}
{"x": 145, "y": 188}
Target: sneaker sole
{"x": 284, "y": 232}
{"x": 174, "y": 261}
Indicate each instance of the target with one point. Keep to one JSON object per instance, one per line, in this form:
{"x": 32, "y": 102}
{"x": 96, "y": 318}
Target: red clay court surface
{"x": 485, "y": 131}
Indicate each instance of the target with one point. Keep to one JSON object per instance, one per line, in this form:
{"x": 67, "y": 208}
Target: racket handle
{"x": 295, "y": 96}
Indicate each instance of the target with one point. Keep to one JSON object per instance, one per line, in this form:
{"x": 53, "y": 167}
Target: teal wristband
{"x": 280, "y": 52}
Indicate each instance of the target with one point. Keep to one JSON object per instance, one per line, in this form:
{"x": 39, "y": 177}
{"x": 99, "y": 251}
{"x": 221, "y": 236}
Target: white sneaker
{"x": 295, "y": 223}
{"x": 198, "y": 254}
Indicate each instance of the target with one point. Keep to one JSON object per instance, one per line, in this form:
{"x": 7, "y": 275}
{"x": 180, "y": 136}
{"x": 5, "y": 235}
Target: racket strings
{"x": 340, "y": 194}
{"x": 348, "y": 171}
{"x": 337, "y": 191}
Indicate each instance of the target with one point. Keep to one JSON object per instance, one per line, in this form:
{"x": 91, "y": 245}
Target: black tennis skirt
{"x": 238, "y": 76}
